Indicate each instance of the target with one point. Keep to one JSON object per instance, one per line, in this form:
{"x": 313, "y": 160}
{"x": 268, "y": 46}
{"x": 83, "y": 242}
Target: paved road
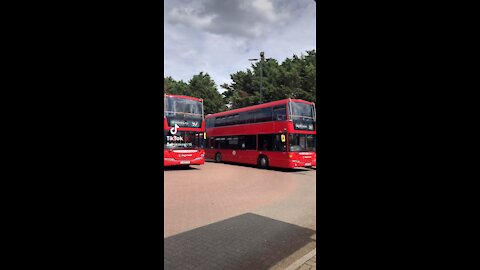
{"x": 226, "y": 216}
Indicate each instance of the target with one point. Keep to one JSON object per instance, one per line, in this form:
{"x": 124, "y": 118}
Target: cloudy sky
{"x": 219, "y": 36}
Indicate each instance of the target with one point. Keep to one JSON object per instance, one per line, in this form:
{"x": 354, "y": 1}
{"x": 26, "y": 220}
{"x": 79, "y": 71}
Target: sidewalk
{"x": 307, "y": 262}
{"x": 310, "y": 264}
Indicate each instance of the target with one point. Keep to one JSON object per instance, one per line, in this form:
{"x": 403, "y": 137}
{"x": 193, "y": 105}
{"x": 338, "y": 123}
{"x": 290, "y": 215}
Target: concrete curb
{"x": 302, "y": 260}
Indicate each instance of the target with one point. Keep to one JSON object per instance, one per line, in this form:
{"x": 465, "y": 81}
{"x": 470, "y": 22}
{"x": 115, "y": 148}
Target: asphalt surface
{"x": 229, "y": 216}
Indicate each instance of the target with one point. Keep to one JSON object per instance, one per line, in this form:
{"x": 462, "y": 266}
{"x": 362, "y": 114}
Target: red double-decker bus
{"x": 277, "y": 134}
{"x": 184, "y": 127}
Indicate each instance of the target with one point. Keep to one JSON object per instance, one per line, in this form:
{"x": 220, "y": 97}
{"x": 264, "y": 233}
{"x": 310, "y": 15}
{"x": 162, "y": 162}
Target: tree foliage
{"x": 200, "y": 86}
{"x": 175, "y": 87}
{"x": 293, "y": 78}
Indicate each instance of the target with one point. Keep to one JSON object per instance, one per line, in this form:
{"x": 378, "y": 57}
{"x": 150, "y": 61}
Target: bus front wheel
{"x": 263, "y": 162}
{"x": 218, "y": 158}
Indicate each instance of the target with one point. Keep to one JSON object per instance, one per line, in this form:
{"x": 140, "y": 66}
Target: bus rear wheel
{"x": 263, "y": 162}
{"x": 218, "y": 158}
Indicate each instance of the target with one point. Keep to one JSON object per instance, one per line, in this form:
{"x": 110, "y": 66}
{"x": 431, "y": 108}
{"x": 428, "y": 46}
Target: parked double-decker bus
{"x": 184, "y": 127}
{"x": 277, "y": 134}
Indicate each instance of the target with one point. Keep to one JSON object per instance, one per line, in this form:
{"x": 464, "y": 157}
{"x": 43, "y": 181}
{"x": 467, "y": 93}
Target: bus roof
{"x": 185, "y": 97}
{"x": 259, "y": 106}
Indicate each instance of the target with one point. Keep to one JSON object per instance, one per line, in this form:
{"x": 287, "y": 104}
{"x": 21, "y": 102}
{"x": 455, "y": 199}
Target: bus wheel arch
{"x": 218, "y": 157}
{"x": 262, "y": 162}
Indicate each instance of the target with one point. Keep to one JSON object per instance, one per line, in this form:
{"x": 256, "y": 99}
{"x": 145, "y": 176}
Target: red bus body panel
{"x": 178, "y": 157}
{"x": 275, "y": 158}
{"x": 184, "y": 97}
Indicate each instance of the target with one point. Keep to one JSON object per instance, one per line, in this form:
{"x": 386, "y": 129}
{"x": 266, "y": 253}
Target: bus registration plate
{"x": 308, "y": 164}
{"x": 185, "y": 162}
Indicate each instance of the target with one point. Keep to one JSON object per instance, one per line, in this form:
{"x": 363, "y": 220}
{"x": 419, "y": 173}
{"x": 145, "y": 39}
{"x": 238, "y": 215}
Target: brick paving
{"x": 220, "y": 216}
{"x": 248, "y": 241}
{"x": 213, "y": 192}
{"x": 309, "y": 265}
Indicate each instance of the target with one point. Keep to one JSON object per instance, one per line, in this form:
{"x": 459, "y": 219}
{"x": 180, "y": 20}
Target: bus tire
{"x": 263, "y": 162}
{"x": 218, "y": 158}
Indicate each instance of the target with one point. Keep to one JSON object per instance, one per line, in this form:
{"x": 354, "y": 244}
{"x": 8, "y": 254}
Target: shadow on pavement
{"x": 255, "y": 167}
{"x": 179, "y": 168}
{"x": 248, "y": 241}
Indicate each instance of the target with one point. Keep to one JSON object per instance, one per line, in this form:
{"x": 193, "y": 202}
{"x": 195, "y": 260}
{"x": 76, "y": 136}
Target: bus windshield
{"x": 302, "y": 115}
{"x": 302, "y": 109}
{"x": 183, "y": 112}
{"x": 302, "y": 142}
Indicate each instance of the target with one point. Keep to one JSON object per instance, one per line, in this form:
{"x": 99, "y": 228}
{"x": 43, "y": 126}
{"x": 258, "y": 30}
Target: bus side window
{"x": 265, "y": 142}
{"x": 219, "y": 121}
{"x": 218, "y": 144}
{"x": 241, "y": 142}
{"x": 232, "y": 142}
{"x": 250, "y": 142}
{"x": 235, "y": 119}
{"x": 263, "y": 115}
{"x": 242, "y": 118}
{"x": 251, "y": 116}
{"x": 278, "y": 144}
{"x": 279, "y": 113}
{"x": 209, "y": 122}
{"x": 229, "y": 120}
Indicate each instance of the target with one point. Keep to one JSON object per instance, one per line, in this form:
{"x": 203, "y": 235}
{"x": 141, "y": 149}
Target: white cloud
{"x": 264, "y": 7}
{"x": 187, "y": 15}
{"x": 219, "y": 36}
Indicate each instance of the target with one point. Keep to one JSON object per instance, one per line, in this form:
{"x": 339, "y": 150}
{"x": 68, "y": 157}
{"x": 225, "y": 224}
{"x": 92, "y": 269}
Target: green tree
{"x": 202, "y": 86}
{"x": 241, "y": 92}
{"x": 175, "y": 87}
{"x": 293, "y": 78}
